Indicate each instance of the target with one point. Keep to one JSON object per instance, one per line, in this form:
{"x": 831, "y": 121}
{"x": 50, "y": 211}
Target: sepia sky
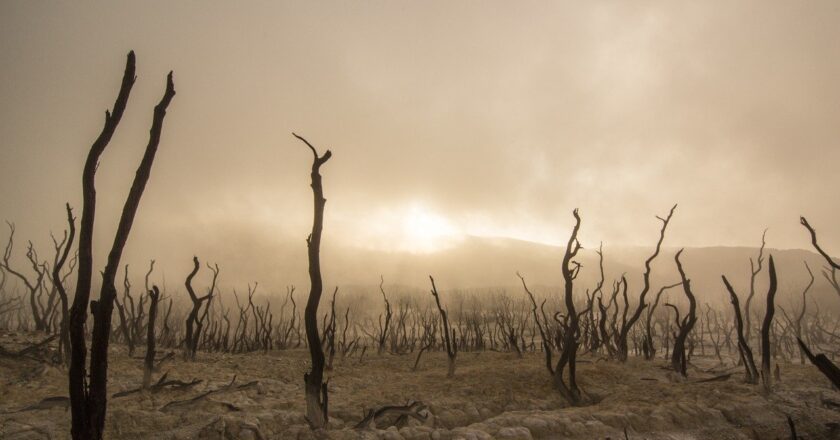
{"x": 444, "y": 118}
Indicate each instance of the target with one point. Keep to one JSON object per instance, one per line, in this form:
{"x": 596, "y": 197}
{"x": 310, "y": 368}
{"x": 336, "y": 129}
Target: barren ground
{"x": 494, "y": 395}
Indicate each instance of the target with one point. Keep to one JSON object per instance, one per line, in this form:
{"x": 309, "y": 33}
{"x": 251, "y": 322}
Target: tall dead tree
{"x": 678, "y": 356}
{"x": 448, "y": 333}
{"x": 755, "y": 269}
{"x": 58, "y": 282}
{"x": 194, "y": 324}
{"x": 766, "y": 325}
{"x": 383, "y": 329}
{"x": 797, "y": 325}
{"x": 149, "y": 360}
{"x": 565, "y": 372}
{"x": 315, "y": 388}
{"x": 88, "y": 393}
{"x": 627, "y": 324}
{"x": 751, "y": 373}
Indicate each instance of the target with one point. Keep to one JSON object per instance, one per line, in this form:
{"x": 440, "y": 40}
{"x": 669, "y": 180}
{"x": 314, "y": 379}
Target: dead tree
{"x": 798, "y": 323}
{"x": 833, "y": 266}
{"x": 89, "y": 397}
{"x": 755, "y": 269}
{"x": 544, "y": 329}
{"x": 330, "y": 332}
{"x": 826, "y": 367}
{"x": 58, "y": 281}
{"x": 32, "y": 286}
{"x": 751, "y": 373}
{"x": 316, "y": 389}
{"x": 831, "y": 263}
{"x": 194, "y": 324}
{"x": 566, "y": 383}
{"x": 684, "y": 326}
{"x": 628, "y": 324}
{"x": 714, "y": 335}
{"x": 126, "y": 321}
{"x": 448, "y": 333}
{"x": 8, "y": 304}
{"x": 149, "y": 360}
{"x": 383, "y": 329}
{"x": 765, "y": 327}
{"x": 648, "y": 345}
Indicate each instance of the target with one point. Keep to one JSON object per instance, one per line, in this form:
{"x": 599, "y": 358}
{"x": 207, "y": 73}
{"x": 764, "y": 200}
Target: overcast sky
{"x": 483, "y": 118}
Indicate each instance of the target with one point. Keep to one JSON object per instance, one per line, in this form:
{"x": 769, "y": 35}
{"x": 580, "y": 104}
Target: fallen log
{"x": 48, "y": 403}
{"x": 160, "y": 385}
{"x": 229, "y": 387}
{"x": 412, "y": 410}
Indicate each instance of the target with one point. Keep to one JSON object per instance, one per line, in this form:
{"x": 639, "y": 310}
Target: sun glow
{"x": 413, "y": 227}
{"x": 424, "y": 230}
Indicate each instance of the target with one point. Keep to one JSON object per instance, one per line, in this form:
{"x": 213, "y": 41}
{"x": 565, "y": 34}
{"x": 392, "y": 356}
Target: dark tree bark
{"x": 32, "y": 287}
{"x": 316, "y": 390}
{"x": 678, "y": 356}
{"x": 195, "y": 324}
{"x": 149, "y": 360}
{"x": 81, "y": 424}
{"x": 330, "y": 332}
{"x": 566, "y": 383}
{"x": 383, "y": 329}
{"x": 627, "y": 324}
{"x": 125, "y": 322}
{"x": 89, "y": 402}
{"x": 798, "y": 323}
{"x": 831, "y": 263}
{"x": 751, "y": 373}
{"x": 826, "y": 367}
{"x": 448, "y": 335}
{"x": 766, "y": 325}
{"x": 648, "y": 345}
{"x": 58, "y": 281}
{"x": 755, "y": 269}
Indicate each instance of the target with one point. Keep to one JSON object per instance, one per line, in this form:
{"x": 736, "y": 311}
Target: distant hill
{"x": 481, "y": 262}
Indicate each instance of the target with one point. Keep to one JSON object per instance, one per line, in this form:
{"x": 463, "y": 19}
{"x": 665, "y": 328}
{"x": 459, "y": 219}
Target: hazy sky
{"x": 484, "y": 118}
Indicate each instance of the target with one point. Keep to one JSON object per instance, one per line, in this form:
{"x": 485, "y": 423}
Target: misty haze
{"x": 419, "y": 220}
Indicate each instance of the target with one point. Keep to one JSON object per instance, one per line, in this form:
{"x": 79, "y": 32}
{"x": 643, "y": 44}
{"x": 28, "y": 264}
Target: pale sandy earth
{"x": 494, "y": 395}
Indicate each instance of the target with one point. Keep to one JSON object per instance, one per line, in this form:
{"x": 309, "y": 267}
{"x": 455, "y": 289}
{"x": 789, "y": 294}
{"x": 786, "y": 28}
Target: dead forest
{"x": 159, "y": 333}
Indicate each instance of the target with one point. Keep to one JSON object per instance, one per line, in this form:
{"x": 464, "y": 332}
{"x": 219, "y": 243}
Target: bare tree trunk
{"x": 831, "y": 263}
{"x": 316, "y": 390}
{"x": 451, "y": 346}
{"x": 89, "y": 404}
{"x": 751, "y": 374}
{"x": 64, "y": 334}
{"x": 149, "y": 360}
{"x": 798, "y": 323}
{"x": 566, "y": 384}
{"x": 678, "y": 356}
{"x": 765, "y": 327}
{"x": 628, "y": 324}
{"x": 383, "y": 329}
{"x": 755, "y": 269}
{"x": 79, "y": 403}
